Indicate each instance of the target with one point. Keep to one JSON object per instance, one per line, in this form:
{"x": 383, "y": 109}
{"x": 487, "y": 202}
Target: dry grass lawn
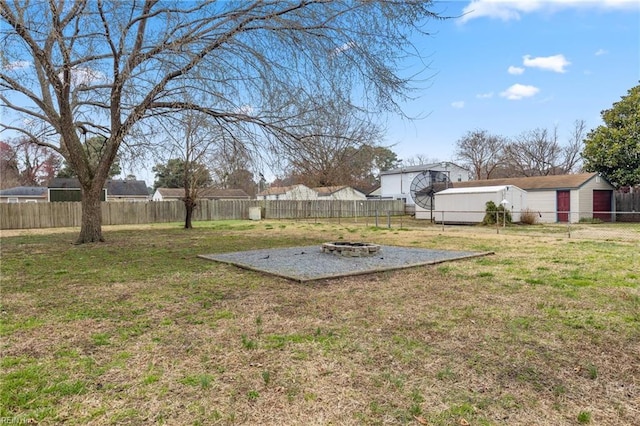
{"x": 139, "y": 331}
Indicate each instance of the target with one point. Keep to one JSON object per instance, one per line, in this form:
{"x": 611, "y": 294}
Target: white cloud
{"x": 16, "y": 65}
{"x": 556, "y": 63}
{"x": 457, "y": 104}
{"x": 508, "y": 10}
{"x": 601, "y": 52}
{"x": 484, "y": 95}
{"x": 515, "y": 70}
{"x": 346, "y": 46}
{"x": 519, "y": 91}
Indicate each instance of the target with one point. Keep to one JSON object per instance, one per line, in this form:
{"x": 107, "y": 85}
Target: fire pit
{"x": 351, "y": 249}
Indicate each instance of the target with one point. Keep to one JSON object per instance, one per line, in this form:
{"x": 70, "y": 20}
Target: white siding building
{"x": 396, "y": 183}
{"x": 339, "y": 193}
{"x": 294, "y": 192}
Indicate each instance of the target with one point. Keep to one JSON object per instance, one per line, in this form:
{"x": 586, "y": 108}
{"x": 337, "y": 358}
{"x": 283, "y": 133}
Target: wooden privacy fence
{"x": 628, "y": 206}
{"x": 69, "y": 214}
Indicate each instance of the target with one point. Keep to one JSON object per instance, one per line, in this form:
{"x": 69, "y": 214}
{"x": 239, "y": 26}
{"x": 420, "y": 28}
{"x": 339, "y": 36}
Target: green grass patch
{"x": 92, "y": 333}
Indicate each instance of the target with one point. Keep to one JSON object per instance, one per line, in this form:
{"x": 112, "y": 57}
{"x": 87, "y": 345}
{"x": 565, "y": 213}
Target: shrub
{"x": 528, "y": 217}
{"x": 490, "y": 214}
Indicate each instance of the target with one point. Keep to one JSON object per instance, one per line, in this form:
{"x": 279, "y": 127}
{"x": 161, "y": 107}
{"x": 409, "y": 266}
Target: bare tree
{"x": 190, "y": 138}
{"x": 481, "y": 152}
{"x": 231, "y": 162}
{"x": 572, "y": 159}
{"x": 29, "y": 163}
{"x": 9, "y": 172}
{"x": 112, "y": 68}
{"x": 538, "y": 152}
{"x": 419, "y": 159}
{"x": 332, "y": 143}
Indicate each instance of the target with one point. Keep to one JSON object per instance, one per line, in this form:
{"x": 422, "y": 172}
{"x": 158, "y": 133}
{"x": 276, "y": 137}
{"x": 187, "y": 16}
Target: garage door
{"x": 563, "y": 205}
{"x": 602, "y": 204}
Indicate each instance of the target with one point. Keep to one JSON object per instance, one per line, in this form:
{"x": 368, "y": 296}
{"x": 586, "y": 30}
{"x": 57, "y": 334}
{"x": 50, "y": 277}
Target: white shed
{"x": 468, "y": 205}
{"x": 560, "y": 198}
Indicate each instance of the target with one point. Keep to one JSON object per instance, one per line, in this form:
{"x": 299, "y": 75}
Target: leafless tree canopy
{"x": 537, "y": 152}
{"x": 481, "y": 152}
{"x": 111, "y": 68}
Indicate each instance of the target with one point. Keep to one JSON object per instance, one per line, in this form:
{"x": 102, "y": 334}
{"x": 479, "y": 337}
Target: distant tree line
{"x": 537, "y": 152}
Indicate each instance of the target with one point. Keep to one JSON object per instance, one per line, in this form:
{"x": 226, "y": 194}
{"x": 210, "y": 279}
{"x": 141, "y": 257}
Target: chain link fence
{"x": 612, "y": 226}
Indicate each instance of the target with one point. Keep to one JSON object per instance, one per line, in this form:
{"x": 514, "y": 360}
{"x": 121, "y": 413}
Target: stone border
{"x": 351, "y": 249}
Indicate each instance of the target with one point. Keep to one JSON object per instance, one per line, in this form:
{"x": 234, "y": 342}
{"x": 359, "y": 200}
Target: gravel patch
{"x": 308, "y": 263}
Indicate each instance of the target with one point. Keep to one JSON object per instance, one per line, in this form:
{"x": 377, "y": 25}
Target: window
{"x": 12, "y": 200}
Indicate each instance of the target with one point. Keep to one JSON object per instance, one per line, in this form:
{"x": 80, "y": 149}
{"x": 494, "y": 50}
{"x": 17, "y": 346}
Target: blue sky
{"x": 513, "y": 66}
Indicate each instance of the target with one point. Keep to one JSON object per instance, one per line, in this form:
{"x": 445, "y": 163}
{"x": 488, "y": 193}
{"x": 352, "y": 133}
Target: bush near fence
{"x": 69, "y": 214}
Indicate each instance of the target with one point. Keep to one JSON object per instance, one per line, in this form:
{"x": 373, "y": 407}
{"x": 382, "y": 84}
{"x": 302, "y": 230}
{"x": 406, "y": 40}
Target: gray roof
{"x": 115, "y": 187}
{"x": 24, "y": 191}
{"x": 127, "y": 188}
{"x": 64, "y": 183}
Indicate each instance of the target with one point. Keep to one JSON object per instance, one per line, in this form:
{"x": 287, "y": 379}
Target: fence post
{"x": 376, "y": 218}
{"x": 389, "y": 219}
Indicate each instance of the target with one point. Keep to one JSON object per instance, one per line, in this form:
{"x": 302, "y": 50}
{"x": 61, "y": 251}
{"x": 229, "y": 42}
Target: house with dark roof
{"x": 127, "y": 190}
{"x": 68, "y": 189}
{"x": 169, "y": 194}
{"x": 558, "y": 198}
{"x": 24, "y": 194}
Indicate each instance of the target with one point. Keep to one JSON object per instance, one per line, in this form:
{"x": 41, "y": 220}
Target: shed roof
{"x": 535, "y": 182}
{"x": 477, "y": 189}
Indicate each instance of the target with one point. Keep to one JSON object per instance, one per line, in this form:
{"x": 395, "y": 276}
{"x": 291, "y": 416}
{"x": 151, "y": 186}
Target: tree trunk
{"x": 189, "y": 205}
{"x": 91, "y": 227}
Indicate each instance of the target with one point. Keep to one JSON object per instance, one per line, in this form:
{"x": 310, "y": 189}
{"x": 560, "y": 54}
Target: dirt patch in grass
{"x": 546, "y": 332}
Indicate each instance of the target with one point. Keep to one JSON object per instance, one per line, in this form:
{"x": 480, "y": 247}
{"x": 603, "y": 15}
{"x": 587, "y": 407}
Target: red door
{"x": 563, "y": 205}
{"x": 602, "y": 204}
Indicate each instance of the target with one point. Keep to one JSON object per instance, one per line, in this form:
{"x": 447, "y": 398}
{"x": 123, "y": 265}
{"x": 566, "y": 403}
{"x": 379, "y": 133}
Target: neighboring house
{"x": 467, "y": 205}
{"x": 24, "y": 194}
{"x": 168, "y": 194}
{"x": 560, "y": 198}
{"x": 127, "y": 190}
{"x": 396, "y": 183}
{"x": 339, "y": 193}
{"x": 68, "y": 189}
{"x": 294, "y": 192}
